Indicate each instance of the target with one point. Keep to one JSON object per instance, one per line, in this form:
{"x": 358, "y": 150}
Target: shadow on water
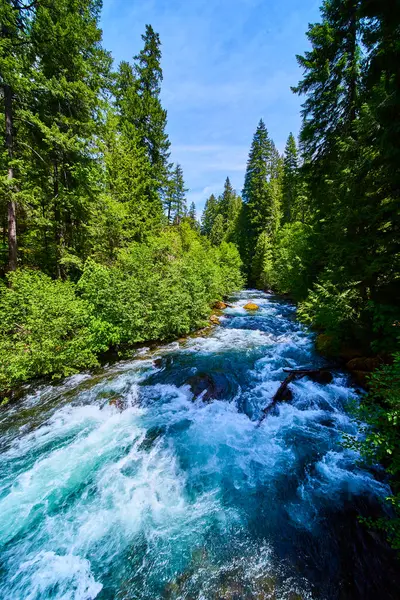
{"x": 152, "y": 481}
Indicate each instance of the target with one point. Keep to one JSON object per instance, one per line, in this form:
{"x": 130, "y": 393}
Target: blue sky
{"x": 226, "y": 64}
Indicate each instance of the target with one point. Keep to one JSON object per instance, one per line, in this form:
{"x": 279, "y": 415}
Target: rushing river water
{"x": 153, "y": 481}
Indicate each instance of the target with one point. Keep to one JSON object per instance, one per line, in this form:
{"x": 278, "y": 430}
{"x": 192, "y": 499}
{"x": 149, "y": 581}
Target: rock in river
{"x": 251, "y": 306}
{"x": 220, "y": 305}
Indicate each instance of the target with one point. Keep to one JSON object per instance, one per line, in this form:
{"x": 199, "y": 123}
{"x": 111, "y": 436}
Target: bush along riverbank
{"x": 157, "y": 290}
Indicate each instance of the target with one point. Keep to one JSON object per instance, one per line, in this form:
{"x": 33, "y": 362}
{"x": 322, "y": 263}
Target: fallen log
{"x": 321, "y": 375}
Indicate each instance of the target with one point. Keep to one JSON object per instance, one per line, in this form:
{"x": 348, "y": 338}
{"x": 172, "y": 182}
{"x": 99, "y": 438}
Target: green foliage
{"x": 380, "y": 409}
{"x": 293, "y": 259}
{"x": 261, "y": 197}
{"x": 263, "y": 263}
{"x": 155, "y": 290}
{"x": 46, "y": 330}
{"x": 332, "y": 308}
{"x": 162, "y": 288}
{"x": 290, "y": 182}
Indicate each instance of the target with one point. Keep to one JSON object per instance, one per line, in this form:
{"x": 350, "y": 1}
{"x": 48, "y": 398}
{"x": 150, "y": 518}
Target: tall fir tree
{"x": 226, "y": 200}
{"x": 15, "y": 83}
{"x": 177, "y": 203}
{"x": 256, "y": 190}
{"x": 69, "y": 75}
{"x": 290, "y": 181}
{"x": 210, "y": 212}
{"x": 138, "y": 91}
{"x": 332, "y": 75}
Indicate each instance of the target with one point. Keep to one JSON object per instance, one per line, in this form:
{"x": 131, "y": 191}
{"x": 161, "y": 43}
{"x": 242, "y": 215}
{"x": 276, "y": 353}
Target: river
{"x": 152, "y": 480}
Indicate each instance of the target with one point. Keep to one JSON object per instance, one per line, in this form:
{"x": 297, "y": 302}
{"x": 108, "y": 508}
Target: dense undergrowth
{"x": 154, "y": 291}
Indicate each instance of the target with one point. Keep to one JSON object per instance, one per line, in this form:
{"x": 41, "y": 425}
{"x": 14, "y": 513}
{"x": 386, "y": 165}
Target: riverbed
{"x": 152, "y": 480}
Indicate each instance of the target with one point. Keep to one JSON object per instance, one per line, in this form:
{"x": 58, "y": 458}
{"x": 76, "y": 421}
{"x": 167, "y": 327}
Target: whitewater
{"x": 151, "y": 480}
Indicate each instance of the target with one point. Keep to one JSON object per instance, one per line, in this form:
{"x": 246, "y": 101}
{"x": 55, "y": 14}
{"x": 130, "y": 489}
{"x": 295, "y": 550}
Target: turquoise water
{"x": 152, "y": 480}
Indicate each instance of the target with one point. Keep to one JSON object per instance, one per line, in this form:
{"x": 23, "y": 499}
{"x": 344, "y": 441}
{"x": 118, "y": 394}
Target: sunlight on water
{"x": 154, "y": 481}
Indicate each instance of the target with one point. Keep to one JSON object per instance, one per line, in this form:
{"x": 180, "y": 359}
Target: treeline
{"x": 98, "y": 248}
{"x": 322, "y": 223}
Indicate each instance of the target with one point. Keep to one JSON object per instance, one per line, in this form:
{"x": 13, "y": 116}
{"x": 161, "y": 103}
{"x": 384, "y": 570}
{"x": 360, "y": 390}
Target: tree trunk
{"x": 12, "y": 206}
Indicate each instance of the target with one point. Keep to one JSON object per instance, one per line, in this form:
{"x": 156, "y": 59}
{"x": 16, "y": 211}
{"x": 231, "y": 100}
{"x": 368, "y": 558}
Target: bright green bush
{"x": 331, "y": 308}
{"x": 162, "y": 288}
{"x": 380, "y": 409}
{"x": 154, "y": 291}
{"x": 45, "y": 329}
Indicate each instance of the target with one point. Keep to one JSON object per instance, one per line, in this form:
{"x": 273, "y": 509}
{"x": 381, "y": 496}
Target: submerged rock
{"x": 117, "y": 402}
{"x": 323, "y": 377}
{"x": 251, "y": 306}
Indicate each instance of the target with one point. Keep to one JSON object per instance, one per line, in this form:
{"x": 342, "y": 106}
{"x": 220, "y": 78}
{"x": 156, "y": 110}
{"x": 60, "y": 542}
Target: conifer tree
{"x": 70, "y": 70}
{"x": 226, "y": 200}
{"x": 257, "y": 191}
{"x": 218, "y": 231}
{"x": 138, "y": 91}
{"x": 15, "y": 19}
{"x": 332, "y": 75}
{"x": 290, "y": 181}
{"x": 210, "y": 212}
{"x": 177, "y": 207}
{"x": 192, "y": 211}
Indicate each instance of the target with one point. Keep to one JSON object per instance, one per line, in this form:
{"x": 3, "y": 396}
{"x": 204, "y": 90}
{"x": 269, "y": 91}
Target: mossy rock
{"x": 251, "y": 306}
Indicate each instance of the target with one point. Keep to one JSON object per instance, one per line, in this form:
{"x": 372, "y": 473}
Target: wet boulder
{"x": 211, "y": 387}
{"x": 323, "y": 377}
{"x": 117, "y": 402}
{"x": 363, "y": 363}
{"x": 220, "y": 305}
{"x": 214, "y": 320}
{"x": 251, "y": 306}
{"x": 361, "y": 367}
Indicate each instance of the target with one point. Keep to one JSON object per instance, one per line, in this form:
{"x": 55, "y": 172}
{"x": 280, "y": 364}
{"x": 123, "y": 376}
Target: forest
{"x": 99, "y": 250}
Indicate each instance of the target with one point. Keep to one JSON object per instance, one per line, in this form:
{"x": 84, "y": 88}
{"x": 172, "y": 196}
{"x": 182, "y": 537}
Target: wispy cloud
{"x": 226, "y": 63}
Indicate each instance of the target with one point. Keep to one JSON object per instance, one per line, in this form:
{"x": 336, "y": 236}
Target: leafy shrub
{"x": 380, "y": 409}
{"x": 45, "y": 329}
{"x": 155, "y": 290}
{"x": 331, "y": 308}
{"x": 162, "y": 288}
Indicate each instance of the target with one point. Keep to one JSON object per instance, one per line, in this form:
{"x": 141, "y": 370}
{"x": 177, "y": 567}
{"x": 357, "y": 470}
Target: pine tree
{"x": 15, "y": 18}
{"x": 192, "y": 211}
{"x": 138, "y": 91}
{"x": 70, "y": 71}
{"x": 257, "y": 190}
{"x": 226, "y": 200}
{"x": 210, "y": 212}
{"x": 218, "y": 231}
{"x": 177, "y": 207}
{"x": 290, "y": 182}
{"x": 332, "y": 74}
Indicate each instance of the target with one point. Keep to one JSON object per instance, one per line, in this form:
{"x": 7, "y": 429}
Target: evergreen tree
{"x": 226, "y": 200}
{"x": 70, "y": 70}
{"x": 210, "y": 212}
{"x": 15, "y": 19}
{"x": 138, "y": 91}
{"x": 290, "y": 182}
{"x": 332, "y": 74}
{"x": 218, "y": 231}
{"x": 177, "y": 200}
{"x": 192, "y": 212}
{"x": 257, "y": 191}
